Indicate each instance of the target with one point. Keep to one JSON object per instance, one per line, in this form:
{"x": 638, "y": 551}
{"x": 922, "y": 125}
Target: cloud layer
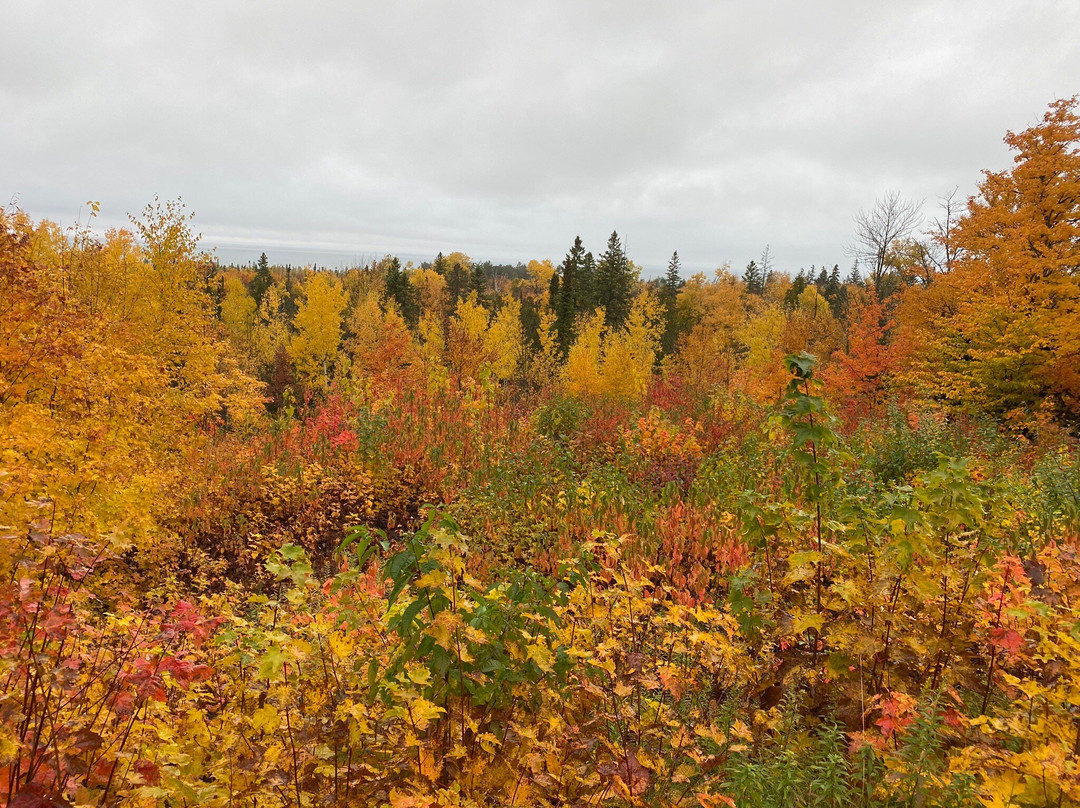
{"x": 503, "y": 129}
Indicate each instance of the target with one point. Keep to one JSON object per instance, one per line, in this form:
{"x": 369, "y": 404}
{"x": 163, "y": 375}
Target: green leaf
{"x": 271, "y": 664}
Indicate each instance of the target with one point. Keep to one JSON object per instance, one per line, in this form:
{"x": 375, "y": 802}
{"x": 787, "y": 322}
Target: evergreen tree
{"x": 585, "y": 295}
{"x": 553, "y": 292}
{"x": 672, "y": 280}
{"x": 262, "y": 281}
{"x": 798, "y": 286}
{"x": 615, "y": 278}
{"x": 566, "y": 304}
{"x": 478, "y": 283}
{"x": 440, "y": 264}
{"x": 754, "y": 277}
{"x": 854, "y": 278}
{"x": 457, "y": 284}
{"x": 530, "y": 323}
{"x": 401, "y": 292}
{"x": 669, "y": 295}
{"x": 835, "y": 292}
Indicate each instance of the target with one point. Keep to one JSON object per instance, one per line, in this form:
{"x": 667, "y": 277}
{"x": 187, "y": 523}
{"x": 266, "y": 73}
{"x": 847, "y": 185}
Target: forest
{"x": 556, "y": 535}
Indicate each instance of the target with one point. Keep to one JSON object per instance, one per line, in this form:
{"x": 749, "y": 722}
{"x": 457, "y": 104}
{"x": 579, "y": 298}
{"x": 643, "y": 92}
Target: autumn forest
{"x": 450, "y": 534}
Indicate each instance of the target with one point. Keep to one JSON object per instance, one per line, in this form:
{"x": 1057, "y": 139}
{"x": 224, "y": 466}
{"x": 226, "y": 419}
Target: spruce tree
{"x": 794, "y": 292}
{"x": 754, "y": 277}
{"x": 614, "y": 283}
{"x": 835, "y": 292}
{"x": 401, "y": 292}
{"x": 457, "y": 284}
{"x": 530, "y": 323}
{"x": 262, "y": 281}
{"x": 440, "y": 264}
{"x": 478, "y": 283}
{"x": 553, "y": 292}
{"x": 669, "y": 295}
{"x": 585, "y": 295}
{"x": 566, "y": 304}
{"x": 672, "y": 280}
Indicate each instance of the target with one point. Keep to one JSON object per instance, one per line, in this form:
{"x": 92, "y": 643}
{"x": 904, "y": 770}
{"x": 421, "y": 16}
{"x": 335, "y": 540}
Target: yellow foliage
{"x": 479, "y": 343}
{"x": 582, "y": 371}
{"x": 629, "y": 355}
{"x": 314, "y": 347}
{"x": 102, "y": 392}
{"x": 761, "y": 374}
{"x": 431, "y": 290}
{"x": 238, "y": 314}
{"x": 504, "y": 342}
{"x": 615, "y": 363}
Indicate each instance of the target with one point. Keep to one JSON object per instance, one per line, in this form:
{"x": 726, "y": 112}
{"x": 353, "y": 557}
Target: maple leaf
{"x": 1007, "y": 639}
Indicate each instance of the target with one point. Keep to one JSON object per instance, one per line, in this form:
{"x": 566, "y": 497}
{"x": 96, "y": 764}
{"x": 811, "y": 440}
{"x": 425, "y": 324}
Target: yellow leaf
{"x": 807, "y": 621}
{"x": 433, "y": 578}
{"x": 418, "y": 674}
{"x": 423, "y": 712}
{"x": 542, "y": 656}
{"x": 266, "y": 719}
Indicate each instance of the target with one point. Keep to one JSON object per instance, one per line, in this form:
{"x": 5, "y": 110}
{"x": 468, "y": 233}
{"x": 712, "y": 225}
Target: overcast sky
{"x": 331, "y": 131}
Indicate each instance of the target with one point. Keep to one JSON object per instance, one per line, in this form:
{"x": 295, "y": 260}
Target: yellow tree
{"x": 504, "y": 341}
{"x": 314, "y": 348}
{"x": 581, "y": 373}
{"x": 239, "y": 316}
{"x": 432, "y": 335}
{"x": 538, "y": 284}
{"x": 716, "y": 309}
{"x": 99, "y": 416}
{"x": 381, "y": 346}
{"x": 761, "y": 373}
{"x": 479, "y": 343}
{"x": 170, "y": 317}
{"x": 630, "y": 353}
{"x": 271, "y": 329}
{"x": 430, "y": 290}
{"x": 542, "y": 368}
{"x": 465, "y": 344}
{"x": 811, "y": 327}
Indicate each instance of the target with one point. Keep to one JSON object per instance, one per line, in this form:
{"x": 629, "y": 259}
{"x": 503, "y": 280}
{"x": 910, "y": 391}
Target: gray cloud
{"x": 503, "y": 129}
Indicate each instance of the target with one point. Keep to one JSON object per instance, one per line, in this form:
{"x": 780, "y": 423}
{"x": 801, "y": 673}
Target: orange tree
{"x": 1004, "y": 334}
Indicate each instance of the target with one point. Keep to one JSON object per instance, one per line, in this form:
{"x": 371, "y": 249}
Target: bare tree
{"x": 892, "y": 218}
{"x": 942, "y": 232}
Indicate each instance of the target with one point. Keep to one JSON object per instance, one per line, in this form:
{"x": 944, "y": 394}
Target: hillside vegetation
{"x": 439, "y": 536}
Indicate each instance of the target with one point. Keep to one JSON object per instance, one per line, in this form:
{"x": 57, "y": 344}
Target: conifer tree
{"x": 566, "y": 302}
{"x": 669, "y": 294}
{"x": 585, "y": 295}
{"x": 262, "y": 281}
{"x": 754, "y": 277}
{"x": 794, "y": 292}
{"x": 835, "y": 292}
{"x": 478, "y": 283}
{"x": 401, "y": 292}
{"x": 440, "y": 264}
{"x": 457, "y": 285}
{"x": 614, "y": 283}
{"x": 530, "y": 323}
